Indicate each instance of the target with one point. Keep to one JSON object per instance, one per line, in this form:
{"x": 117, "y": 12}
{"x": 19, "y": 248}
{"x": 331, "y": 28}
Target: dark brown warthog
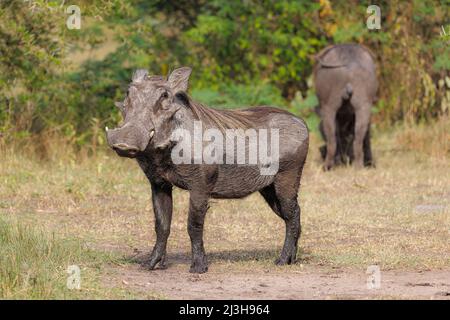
{"x": 346, "y": 86}
{"x": 155, "y": 108}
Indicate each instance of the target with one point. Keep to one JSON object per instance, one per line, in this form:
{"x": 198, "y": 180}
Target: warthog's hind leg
{"x": 282, "y": 198}
{"x": 291, "y": 216}
{"x": 368, "y": 158}
{"x": 362, "y": 121}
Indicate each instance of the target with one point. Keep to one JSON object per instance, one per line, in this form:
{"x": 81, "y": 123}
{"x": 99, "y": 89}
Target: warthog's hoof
{"x": 282, "y": 261}
{"x": 199, "y": 266}
{"x": 370, "y": 165}
{"x": 156, "y": 259}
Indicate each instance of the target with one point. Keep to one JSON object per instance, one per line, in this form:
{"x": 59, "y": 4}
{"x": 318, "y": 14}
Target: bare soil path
{"x": 311, "y": 282}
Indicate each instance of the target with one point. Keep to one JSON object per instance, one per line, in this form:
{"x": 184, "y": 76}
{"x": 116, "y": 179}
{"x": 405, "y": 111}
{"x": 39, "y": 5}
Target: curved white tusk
{"x": 152, "y": 133}
{"x": 106, "y": 129}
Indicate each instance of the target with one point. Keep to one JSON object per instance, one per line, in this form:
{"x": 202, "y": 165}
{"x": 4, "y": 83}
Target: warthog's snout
{"x": 128, "y": 141}
{"x": 125, "y": 150}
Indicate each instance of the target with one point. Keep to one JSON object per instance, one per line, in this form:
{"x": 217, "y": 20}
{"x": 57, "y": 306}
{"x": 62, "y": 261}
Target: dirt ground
{"x": 311, "y": 282}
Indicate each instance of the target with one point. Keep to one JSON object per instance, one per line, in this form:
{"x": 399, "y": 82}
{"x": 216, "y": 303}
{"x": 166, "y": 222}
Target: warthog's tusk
{"x": 106, "y": 129}
{"x": 152, "y": 133}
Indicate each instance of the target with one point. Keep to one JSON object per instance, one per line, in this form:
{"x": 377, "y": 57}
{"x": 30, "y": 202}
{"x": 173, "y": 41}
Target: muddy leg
{"x": 289, "y": 211}
{"x": 162, "y": 206}
{"x": 282, "y": 198}
{"x": 291, "y": 216}
{"x": 198, "y": 205}
{"x": 271, "y": 198}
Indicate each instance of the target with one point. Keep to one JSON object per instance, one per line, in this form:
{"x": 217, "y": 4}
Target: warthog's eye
{"x": 162, "y": 102}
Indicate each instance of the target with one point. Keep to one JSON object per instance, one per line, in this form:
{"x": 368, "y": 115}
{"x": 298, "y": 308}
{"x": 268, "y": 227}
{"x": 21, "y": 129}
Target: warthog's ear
{"x": 139, "y": 75}
{"x": 179, "y": 79}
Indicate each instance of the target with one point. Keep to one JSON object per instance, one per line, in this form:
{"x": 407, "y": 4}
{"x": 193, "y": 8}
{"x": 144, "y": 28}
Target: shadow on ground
{"x": 234, "y": 256}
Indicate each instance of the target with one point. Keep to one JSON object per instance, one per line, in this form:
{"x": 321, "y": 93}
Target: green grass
{"x": 34, "y": 264}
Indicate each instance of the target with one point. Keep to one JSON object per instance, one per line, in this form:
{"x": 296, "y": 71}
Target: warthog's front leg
{"x": 162, "y": 206}
{"x": 198, "y": 205}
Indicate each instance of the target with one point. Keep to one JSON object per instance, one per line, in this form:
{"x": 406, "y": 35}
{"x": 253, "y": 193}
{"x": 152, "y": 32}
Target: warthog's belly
{"x": 238, "y": 181}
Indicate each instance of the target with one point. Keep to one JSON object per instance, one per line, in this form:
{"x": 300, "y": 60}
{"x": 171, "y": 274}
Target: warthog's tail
{"x": 348, "y": 92}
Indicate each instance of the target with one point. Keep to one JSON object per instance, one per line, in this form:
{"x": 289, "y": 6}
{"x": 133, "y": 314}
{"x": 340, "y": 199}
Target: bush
{"x": 243, "y": 53}
{"x": 239, "y": 96}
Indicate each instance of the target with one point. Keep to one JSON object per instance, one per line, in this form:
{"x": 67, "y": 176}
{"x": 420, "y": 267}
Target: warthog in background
{"x": 154, "y": 108}
{"x": 346, "y": 86}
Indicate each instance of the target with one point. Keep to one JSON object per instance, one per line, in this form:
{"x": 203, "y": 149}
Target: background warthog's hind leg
{"x": 339, "y": 156}
{"x": 362, "y": 121}
{"x": 368, "y": 159}
{"x": 328, "y": 115}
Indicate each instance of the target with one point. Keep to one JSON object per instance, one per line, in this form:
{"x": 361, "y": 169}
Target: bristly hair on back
{"x": 230, "y": 119}
{"x": 217, "y": 118}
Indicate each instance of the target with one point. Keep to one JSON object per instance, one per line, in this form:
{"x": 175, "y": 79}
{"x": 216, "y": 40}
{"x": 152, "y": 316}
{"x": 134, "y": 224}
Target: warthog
{"x": 346, "y": 86}
{"x": 155, "y": 108}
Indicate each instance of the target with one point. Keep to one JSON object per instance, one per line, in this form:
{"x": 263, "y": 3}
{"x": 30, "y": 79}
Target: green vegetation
{"x": 34, "y": 265}
{"x": 60, "y": 82}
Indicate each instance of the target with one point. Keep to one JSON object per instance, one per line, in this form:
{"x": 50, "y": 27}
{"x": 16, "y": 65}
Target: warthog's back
{"x": 345, "y": 55}
{"x": 290, "y": 134}
{"x": 344, "y": 69}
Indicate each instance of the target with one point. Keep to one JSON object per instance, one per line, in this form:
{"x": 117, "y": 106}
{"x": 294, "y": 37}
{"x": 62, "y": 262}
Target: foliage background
{"x": 60, "y": 82}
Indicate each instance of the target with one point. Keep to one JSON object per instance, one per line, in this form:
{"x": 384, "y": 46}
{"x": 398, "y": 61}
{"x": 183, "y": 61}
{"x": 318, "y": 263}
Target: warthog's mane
{"x": 230, "y": 119}
{"x": 220, "y": 119}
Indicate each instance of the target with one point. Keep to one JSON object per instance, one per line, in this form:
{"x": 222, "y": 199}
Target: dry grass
{"x": 34, "y": 265}
{"x": 432, "y": 139}
{"x": 396, "y": 216}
